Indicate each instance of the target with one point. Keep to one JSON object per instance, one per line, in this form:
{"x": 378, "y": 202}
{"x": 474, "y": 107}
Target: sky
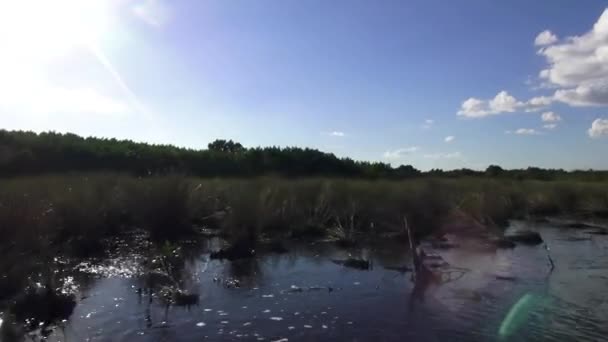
{"x": 431, "y": 83}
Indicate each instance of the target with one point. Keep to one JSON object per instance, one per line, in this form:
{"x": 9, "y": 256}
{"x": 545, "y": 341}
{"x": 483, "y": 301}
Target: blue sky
{"x": 429, "y": 83}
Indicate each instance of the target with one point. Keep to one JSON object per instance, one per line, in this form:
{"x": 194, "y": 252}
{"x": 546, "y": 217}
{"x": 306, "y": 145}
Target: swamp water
{"x": 307, "y": 295}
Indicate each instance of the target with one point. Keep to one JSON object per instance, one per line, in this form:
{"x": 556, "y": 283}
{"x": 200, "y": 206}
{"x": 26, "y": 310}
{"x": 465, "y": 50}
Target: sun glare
{"x": 39, "y": 29}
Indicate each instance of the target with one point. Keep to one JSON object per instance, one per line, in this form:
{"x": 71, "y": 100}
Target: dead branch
{"x": 550, "y": 259}
{"x": 415, "y": 260}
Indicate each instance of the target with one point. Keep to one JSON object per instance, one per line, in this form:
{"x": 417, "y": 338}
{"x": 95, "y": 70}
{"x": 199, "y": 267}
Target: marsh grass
{"x": 77, "y": 212}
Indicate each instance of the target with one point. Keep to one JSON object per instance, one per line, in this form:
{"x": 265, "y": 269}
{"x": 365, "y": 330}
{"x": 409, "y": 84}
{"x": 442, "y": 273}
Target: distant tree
{"x": 494, "y": 171}
{"x": 406, "y": 171}
{"x": 23, "y": 153}
{"x": 227, "y": 146}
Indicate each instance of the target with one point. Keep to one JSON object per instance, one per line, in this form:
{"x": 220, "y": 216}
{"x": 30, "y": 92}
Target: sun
{"x": 46, "y": 28}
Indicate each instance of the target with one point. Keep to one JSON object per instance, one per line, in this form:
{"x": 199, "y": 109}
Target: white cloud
{"x": 451, "y": 155}
{"x": 550, "y": 126}
{"x": 545, "y": 38}
{"x": 428, "y": 123}
{"x": 526, "y": 131}
{"x": 579, "y": 66}
{"x": 538, "y": 103}
{"x": 503, "y": 102}
{"x": 154, "y": 12}
{"x": 449, "y": 138}
{"x": 476, "y": 108}
{"x": 588, "y": 93}
{"x": 337, "y": 134}
{"x": 599, "y": 128}
{"x": 550, "y": 117}
{"x": 400, "y": 152}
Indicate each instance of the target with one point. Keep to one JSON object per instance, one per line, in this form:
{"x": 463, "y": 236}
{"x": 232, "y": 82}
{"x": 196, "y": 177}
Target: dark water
{"x": 303, "y": 295}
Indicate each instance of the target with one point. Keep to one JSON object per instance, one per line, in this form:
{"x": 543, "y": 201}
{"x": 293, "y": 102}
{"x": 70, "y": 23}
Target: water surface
{"x": 304, "y": 295}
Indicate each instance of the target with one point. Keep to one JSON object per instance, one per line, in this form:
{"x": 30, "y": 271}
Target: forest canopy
{"x": 29, "y": 153}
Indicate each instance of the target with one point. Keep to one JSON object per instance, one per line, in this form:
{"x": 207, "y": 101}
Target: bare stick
{"x": 550, "y": 259}
{"x": 412, "y": 250}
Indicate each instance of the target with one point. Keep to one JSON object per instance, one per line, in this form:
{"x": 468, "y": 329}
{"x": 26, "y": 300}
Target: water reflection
{"x": 244, "y": 272}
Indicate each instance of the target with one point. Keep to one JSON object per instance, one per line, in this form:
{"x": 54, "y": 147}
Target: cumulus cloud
{"x": 449, "y": 138}
{"x": 550, "y": 126}
{"x": 579, "y": 66}
{"x": 503, "y": 102}
{"x": 545, "y": 38}
{"x": 152, "y": 12}
{"x": 538, "y": 103}
{"x": 550, "y": 117}
{"x": 589, "y": 93}
{"x": 576, "y": 67}
{"x": 400, "y": 152}
{"x": 474, "y": 108}
{"x": 451, "y": 155}
{"x": 599, "y": 128}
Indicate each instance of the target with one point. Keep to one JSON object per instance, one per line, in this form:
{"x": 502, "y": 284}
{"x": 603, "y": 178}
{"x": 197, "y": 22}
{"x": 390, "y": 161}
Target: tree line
{"x": 29, "y": 153}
